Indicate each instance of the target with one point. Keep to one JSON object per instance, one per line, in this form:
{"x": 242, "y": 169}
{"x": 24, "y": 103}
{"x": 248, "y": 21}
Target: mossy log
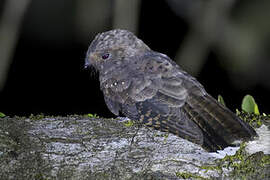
{"x": 79, "y": 147}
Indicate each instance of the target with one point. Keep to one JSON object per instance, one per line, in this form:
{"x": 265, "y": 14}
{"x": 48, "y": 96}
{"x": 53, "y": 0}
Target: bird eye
{"x": 105, "y": 56}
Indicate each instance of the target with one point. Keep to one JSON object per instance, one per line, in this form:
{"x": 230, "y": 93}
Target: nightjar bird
{"x": 149, "y": 87}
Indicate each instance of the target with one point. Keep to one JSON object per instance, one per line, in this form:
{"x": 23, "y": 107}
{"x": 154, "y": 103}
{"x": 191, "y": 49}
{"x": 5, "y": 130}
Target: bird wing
{"x": 113, "y": 106}
{"x": 155, "y": 91}
{"x": 160, "y": 90}
{"x": 191, "y": 112}
{"x": 151, "y": 89}
{"x": 151, "y": 77}
{"x": 159, "y": 77}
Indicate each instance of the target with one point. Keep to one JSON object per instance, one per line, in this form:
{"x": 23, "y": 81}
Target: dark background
{"x": 46, "y": 73}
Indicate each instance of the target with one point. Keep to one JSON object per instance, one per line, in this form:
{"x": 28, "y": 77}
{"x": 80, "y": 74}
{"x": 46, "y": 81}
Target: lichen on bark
{"x": 83, "y": 147}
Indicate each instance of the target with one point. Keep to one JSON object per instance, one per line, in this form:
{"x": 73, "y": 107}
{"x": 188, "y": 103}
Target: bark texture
{"x": 79, "y": 147}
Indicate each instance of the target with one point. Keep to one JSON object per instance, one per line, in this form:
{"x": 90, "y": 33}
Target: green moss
{"x": 243, "y": 165}
{"x": 37, "y": 117}
{"x": 99, "y": 175}
{"x": 165, "y": 135}
{"x": 215, "y": 168}
{"x": 249, "y": 166}
{"x": 239, "y": 155}
{"x": 92, "y": 115}
{"x": 266, "y": 160}
{"x": 40, "y": 176}
{"x": 253, "y": 119}
{"x": 128, "y": 123}
{"x": 185, "y": 175}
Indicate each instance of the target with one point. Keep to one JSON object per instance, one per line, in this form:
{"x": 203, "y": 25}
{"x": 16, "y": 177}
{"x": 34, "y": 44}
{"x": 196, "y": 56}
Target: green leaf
{"x": 238, "y": 112}
{"x": 221, "y": 100}
{"x": 92, "y": 115}
{"x": 129, "y": 123}
{"x": 256, "y": 109}
{"x": 249, "y": 105}
{"x": 2, "y": 115}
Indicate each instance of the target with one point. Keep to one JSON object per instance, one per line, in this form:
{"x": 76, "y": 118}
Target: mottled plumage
{"x": 148, "y": 86}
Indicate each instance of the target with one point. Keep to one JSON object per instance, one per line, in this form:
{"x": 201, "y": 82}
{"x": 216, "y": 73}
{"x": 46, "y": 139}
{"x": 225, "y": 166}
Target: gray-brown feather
{"x": 149, "y": 87}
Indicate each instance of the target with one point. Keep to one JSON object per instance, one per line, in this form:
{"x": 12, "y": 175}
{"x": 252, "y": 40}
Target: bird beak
{"x": 86, "y": 62}
{"x": 88, "y": 59}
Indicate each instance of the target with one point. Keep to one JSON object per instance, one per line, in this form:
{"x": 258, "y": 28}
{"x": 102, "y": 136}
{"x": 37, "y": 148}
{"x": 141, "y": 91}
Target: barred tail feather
{"x": 219, "y": 125}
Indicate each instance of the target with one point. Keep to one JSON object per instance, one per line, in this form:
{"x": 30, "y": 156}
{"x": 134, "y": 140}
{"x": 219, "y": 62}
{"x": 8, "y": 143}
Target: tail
{"x": 220, "y": 126}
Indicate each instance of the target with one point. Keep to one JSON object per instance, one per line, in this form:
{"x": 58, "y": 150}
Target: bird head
{"x": 113, "y": 46}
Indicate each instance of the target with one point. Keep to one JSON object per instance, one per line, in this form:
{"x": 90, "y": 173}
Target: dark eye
{"x": 105, "y": 56}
